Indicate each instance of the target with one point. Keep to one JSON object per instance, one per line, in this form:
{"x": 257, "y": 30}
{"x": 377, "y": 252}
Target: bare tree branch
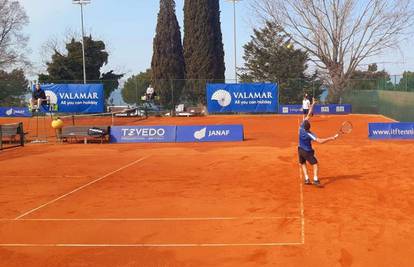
{"x": 12, "y": 41}
{"x": 340, "y": 34}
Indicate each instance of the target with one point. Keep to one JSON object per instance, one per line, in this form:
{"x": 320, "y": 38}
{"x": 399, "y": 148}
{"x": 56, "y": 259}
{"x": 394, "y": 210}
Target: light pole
{"x": 81, "y": 3}
{"x": 235, "y": 36}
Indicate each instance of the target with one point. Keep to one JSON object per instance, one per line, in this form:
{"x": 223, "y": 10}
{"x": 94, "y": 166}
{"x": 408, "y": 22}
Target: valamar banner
{"x": 79, "y": 98}
{"x": 143, "y": 134}
{"x": 318, "y": 109}
{"x": 395, "y": 130}
{"x": 14, "y": 112}
{"x": 210, "y": 133}
{"x": 246, "y": 97}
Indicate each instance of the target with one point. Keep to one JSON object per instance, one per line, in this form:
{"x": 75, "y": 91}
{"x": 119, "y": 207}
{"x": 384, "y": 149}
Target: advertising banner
{"x": 247, "y": 97}
{"x": 14, "y": 112}
{"x": 75, "y": 98}
{"x": 210, "y": 133}
{"x": 318, "y": 109}
{"x": 143, "y": 134}
{"x": 395, "y": 130}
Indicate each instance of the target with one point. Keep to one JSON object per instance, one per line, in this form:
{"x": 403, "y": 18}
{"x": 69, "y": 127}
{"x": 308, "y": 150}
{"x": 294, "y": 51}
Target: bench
{"x": 75, "y": 132}
{"x": 182, "y": 111}
{"x": 10, "y": 132}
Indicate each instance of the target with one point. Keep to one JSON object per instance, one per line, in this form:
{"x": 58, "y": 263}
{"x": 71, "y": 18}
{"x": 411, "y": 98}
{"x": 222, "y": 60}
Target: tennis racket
{"x": 346, "y": 128}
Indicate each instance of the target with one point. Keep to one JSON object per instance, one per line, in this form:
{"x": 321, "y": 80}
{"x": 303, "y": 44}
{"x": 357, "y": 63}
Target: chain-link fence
{"x": 171, "y": 93}
{"x": 404, "y": 83}
{"x": 392, "y": 96}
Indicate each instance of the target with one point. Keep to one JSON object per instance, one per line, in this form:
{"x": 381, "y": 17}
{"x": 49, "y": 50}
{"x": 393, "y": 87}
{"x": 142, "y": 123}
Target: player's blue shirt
{"x": 305, "y": 139}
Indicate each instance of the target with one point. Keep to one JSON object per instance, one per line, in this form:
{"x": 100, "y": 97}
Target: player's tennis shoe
{"x": 317, "y": 183}
{"x": 307, "y": 182}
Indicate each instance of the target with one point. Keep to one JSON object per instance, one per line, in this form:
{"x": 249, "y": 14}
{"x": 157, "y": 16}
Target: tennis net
{"x": 11, "y": 135}
{"x": 109, "y": 119}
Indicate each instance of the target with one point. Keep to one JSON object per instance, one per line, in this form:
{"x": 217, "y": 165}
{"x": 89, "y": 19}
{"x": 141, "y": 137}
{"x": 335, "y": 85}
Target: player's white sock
{"x": 315, "y": 178}
{"x": 306, "y": 177}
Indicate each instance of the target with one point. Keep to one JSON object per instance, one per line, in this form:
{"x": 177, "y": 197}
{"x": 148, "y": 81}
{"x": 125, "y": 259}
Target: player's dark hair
{"x": 306, "y": 125}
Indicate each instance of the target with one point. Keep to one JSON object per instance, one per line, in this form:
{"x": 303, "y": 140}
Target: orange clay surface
{"x": 210, "y": 204}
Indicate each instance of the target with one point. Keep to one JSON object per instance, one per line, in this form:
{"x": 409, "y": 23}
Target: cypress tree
{"x": 203, "y": 44}
{"x": 167, "y": 60}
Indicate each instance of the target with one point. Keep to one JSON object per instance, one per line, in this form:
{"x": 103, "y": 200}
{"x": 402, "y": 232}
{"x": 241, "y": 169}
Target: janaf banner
{"x": 79, "y": 98}
{"x": 246, "y": 97}
{"x": 14, "y": 112}
{"x": 395, "y": 130}
{"x": 210, "y": 133}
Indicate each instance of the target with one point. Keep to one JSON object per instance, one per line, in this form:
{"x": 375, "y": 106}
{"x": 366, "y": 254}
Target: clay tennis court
{"x": 210, "y": 204}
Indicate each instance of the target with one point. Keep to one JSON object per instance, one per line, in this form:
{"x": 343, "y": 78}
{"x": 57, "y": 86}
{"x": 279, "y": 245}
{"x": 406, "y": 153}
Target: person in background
{"x": 150, "y": 93}
{"x": 38, "y": 98}
{"x": 305, "y": 106}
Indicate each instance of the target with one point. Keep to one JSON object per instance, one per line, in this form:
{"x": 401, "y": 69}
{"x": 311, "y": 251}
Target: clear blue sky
{"x": 128, "y": 27}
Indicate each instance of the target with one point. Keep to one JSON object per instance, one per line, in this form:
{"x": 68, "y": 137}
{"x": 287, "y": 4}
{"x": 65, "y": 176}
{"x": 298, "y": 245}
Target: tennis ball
{"x": 57, "y": 124}
{"x": 289, "y": 46}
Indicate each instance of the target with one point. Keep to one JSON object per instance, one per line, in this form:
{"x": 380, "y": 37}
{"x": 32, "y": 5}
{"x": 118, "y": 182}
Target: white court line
{"x": 44, "y": 176}
{"x": 278, "y": 244}
{"x": 155, "y": 219}
{"x": 302, "y": 209}
{"x": 80, "y": 188}
{"x": 302, "y": 212}
{"x": 387, "y": 118}
{"x": 374, "y": 115}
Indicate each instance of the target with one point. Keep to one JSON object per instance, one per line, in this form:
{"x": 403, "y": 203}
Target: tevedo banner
{"x": 247, "y": 97}
{"x": 14, "y": 112}
{"x": 210, "y": 133}
{"x": 397, "y": 130}
{"x": 318, "y": 109}
{"x": 143, "y": 134}
{"x": 79, "y": 98}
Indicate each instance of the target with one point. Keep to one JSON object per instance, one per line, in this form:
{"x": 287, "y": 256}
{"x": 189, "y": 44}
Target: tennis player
{"x": 305, "y": 150}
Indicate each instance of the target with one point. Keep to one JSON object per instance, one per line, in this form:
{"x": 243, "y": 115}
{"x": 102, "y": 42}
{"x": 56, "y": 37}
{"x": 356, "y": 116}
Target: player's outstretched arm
{"x": 325, "y": 140}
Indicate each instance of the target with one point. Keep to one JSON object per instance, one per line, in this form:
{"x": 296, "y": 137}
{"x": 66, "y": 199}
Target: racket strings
{"x": 346, "y": 127}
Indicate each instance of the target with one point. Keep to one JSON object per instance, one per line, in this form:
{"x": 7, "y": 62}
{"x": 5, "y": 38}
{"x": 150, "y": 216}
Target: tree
{"x": 12, "y": 39}
{"x": 407, "y": 81}
{"x": 13, "y": 87}
{"x": 203, "y": 45}
{"x": 68, "y": 66}
{"x": 270, "y": 56}
{"x": 167, "y": 59}
{"x": 340, "y": 34}
{"x": 371, "y": 79}
{"x": 136, "y": 86}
